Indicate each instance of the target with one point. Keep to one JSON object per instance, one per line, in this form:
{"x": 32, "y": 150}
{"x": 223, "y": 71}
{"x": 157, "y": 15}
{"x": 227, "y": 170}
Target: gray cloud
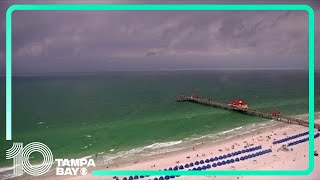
{"x": 47, "y": 41}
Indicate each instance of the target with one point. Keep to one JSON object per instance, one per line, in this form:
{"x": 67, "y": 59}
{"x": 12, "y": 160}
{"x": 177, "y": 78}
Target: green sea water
{"x": 82, "y": 114}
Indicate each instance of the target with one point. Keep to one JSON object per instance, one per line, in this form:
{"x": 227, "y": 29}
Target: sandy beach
{"x": 295, "y": 158}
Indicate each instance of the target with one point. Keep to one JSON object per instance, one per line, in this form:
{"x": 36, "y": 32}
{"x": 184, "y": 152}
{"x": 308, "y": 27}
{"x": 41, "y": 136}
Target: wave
{"x": 161, "y": 145}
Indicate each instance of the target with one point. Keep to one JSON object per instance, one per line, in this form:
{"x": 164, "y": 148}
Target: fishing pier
{"x": 240, "y": 106}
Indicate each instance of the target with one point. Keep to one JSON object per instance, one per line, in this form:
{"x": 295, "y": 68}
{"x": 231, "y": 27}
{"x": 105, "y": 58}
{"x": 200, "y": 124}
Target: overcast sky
{"x": 86, "y": 41}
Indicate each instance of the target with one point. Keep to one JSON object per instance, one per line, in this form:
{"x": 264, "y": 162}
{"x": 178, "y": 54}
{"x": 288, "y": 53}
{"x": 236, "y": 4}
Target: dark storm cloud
{"x": 49, "y": 41}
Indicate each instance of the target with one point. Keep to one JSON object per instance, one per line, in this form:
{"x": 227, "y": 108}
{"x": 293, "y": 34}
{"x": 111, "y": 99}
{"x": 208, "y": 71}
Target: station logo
{"x": 73, "y": 166}
{"x": 21, "y": 161}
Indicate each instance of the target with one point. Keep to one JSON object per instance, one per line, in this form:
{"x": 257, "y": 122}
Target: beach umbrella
{"x": 241, "y": 158}
{"x": 165, "y": 169}
{"x": 194, "y": 169}
{"x": 186, "y": 165}
{"x": 172, "y": 176}
{"x": 232, "y": 160}
{"x": 175, "y": 168}
{"x": 243, "y": 151}
{"x": 161, "y": 178}
{"x": 220, "y": 157}
{"x": 141, "y": 176}
{"x": 204, "y": 167}
{"x": 207, "y": 160}
{"x": 125, "y": 178}
{"x": 201, "y": 162}
{"x": 208, "y": 166}
{"x": 167, "y": 177}
{"x": 214, "y": 165}
{"x": 237, "y": 159}
{"x": 219, "y": 163}
{"x": 136, "y": 177}
{"x": 196, "y": 163}
{"x": 155, "y": 178}
{"x": 216, "y": 158}
{"x": 223, "y": 162}
{"x": 224, "y": 156}
{"x": 181, "y": 167}
{"x": 211, "y": 159}
{"x": 199, "y": 168}
{"x": 191, "y": 164}
{"x": 229, "y": 155}
{"x": 170, "y": 168}
{"x": 130, "y": 178}
{"x": 233, "y": 154}
{"x": 228, "y": 161}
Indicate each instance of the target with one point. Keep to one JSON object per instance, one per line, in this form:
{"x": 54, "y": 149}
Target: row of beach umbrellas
{"x": 209, "y": 166}
{"x": 302, "y": 140}
{"x": 290, "y": 138}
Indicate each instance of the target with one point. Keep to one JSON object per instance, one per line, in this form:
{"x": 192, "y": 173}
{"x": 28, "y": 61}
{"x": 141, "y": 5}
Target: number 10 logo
{"x": 21, "y": 163}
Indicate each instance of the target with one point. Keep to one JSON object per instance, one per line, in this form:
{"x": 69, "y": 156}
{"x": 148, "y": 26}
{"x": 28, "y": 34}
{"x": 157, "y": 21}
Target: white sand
{"x": 297, "y": 159}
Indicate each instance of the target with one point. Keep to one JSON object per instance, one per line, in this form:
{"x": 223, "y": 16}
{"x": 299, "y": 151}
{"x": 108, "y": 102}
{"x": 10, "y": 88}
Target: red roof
{"x": 238, "y": 102}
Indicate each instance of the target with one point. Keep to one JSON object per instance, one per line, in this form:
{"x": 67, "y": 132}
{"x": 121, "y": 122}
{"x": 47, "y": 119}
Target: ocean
{"x": 113, "y": 114}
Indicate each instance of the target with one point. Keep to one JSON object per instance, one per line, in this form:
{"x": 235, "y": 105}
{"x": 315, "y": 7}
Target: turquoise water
{"x": 82, "y": 114}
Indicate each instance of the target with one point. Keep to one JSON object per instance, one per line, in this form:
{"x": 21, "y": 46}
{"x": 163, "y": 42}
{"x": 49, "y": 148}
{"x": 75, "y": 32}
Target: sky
{"x": 91, "y": 41}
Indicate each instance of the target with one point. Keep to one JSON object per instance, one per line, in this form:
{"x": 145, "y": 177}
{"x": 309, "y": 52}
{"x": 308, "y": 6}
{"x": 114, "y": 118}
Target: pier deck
{"x": 268, "y": 115}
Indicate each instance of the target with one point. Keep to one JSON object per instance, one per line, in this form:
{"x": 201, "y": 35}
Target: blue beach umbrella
{"x": 181, "y": 167}
{"x": 172, "y": 176}
{"x": 175, "y": 168}
{"x": 136, "y": 177}
{"x": 170, "y": 168}
{"x": 208, "y": 166}
{"x": 141, "y": 176}
{"x": 237, "y": 159}
{"x": 161, "y": 178}
{"x": 224, "y": 156}
{"x": 211, "y": 159}
{"x": 207, "y": 160}
{"x": 214, "y": 165}
{"x": 229, "y": 155}
{"x": 125, "y": 178}
{"x": 228, "y": 161}
{"x": 216, "y": 158}
{"x": 196, "y": 163}
{"x": 191, "y": 164}
{"x": 201, "y": 162}
{"x": 232, "y": 160}
{"x": 219, "y": 163}
{"x": 130, "y": 178}
{"x": 223, "y": 162}
{"x": 241, "y": 158}
{"x": 186, "y": 165}
{"x": 204, "y": 167}
{"x": 199, "y": 168}
{"x": 167, "y": 177}
{"x": 155, "y": 178}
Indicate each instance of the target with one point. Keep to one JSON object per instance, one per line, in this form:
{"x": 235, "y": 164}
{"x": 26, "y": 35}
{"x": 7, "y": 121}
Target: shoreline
{"x": 139, "y": 162}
